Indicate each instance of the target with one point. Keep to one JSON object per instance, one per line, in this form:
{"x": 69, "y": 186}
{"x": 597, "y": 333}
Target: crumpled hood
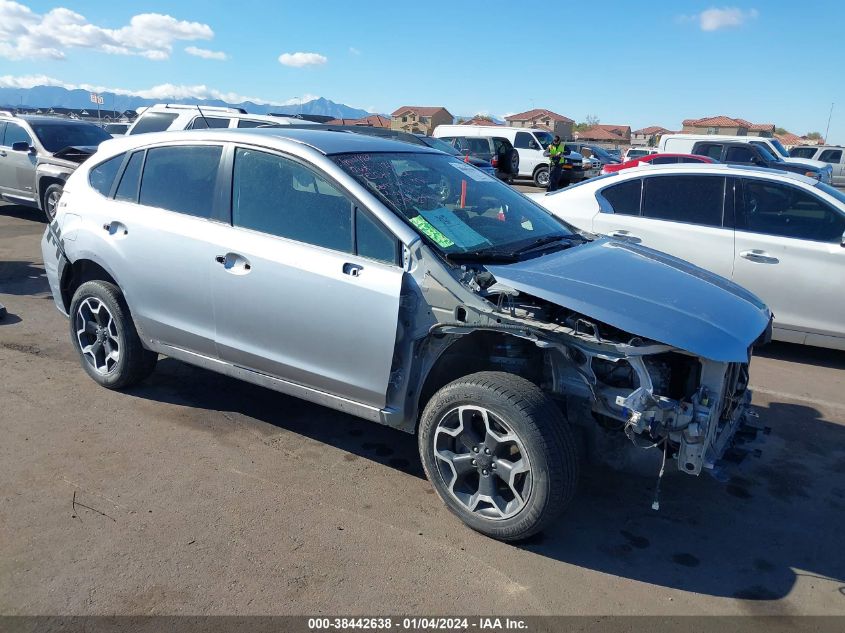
{"x": 647, "y": 293}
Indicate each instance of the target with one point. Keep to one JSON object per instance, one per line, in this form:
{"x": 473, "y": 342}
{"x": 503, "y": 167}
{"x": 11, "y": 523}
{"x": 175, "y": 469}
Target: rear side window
{"x": 802, "y": 152}
{"x": 739, "y": 155}
{"x": 102, "y": 176}
{"x": 153, "y": 122}
{"x": 831, "y": 156}
{"x": 127, "y": 190}
{"x": 181, "y": 178}
{"x": 624, "y": 198}
{"x": 203, "y": 123}
{"x": 478, "y": 145}
{"x": 278, "y": 196}
{"x": 664, "y": 160}
{"x": 690, "y": 199}
{"x": 709, "y": 149}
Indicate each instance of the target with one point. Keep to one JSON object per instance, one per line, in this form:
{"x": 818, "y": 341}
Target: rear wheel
{"x": 499, "y": 453}
{"x": 514, "y": 162}
{"x": 541, "y": 177}
{"x": 105, "y": 337}
{"x": 50, "y": 201}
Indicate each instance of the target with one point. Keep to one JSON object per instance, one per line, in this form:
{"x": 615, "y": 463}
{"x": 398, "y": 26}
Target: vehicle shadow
{"x": 805, "y": 354}
{"x": 775, "y": 518}
{"x": 22, "y": 278}
{"x": 23, "y": 213}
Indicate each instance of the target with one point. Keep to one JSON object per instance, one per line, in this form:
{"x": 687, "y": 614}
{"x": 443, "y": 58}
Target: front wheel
{"x": 499, "y": 453}
{"x": 541, "y": 177}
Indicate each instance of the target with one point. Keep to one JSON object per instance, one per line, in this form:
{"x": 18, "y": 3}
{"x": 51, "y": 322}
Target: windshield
{"x": 443, "y": 146}
{"x": 779, "y": 148}
{"x": 57, "y": 136}
{"x": 544, "y": 138}
{"x": 832, "y": 191}
{"x": 602, "y": 154}
{"x": 459, "y": 208}
{"x": 767, "y": 155}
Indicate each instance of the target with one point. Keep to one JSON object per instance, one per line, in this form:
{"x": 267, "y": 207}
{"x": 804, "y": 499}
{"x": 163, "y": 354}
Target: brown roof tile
{"x": 420, "y": 110}
{"x": 537, "y": 113}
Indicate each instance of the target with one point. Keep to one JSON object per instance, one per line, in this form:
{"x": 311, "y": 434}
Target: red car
{"x": 658, "y": 159}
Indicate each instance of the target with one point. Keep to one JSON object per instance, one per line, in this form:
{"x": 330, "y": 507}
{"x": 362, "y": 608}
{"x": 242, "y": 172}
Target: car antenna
{"x": 203, "y": 117}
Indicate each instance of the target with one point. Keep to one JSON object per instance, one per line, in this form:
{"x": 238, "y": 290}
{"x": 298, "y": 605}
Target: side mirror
{"x": 21, "y": 146}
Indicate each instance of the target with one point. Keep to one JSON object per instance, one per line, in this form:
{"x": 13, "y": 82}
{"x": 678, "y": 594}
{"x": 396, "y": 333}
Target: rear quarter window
{"x": 101, "y": 177}
{"x": 624, "y": 198}
{"x": 153, "y": 122}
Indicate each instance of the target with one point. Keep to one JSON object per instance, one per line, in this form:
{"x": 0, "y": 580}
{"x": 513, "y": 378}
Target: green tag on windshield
{"x": 429, "y": 231}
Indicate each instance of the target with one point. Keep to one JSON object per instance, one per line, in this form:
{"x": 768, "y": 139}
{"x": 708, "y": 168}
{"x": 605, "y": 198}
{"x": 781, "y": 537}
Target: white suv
{"x": 171, "y": 116}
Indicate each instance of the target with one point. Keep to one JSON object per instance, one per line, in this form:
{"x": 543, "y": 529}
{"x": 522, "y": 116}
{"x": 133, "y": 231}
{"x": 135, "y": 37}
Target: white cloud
{"x": 714, "y": 18}
{"x": 206, "y": 54}
{"x": 354, "y": 50}
{"x": 162, "y": 92}
{"x": 27, "y": 35}
{"x": 298, "y": 60}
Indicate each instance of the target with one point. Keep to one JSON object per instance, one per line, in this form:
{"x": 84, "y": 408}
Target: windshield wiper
{"x": 479, "y": 255}
{"x": 548, "y": 239}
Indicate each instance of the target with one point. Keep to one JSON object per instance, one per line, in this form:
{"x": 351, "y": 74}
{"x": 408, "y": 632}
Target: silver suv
{"x": 38, "y": 153}
{"x": 401, "y": 285}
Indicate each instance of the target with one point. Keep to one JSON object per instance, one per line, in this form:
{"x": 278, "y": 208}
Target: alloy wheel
{"x": 52, "y": 204}
{"x": 96, "y": 331}
{"x": 483, "y": 462}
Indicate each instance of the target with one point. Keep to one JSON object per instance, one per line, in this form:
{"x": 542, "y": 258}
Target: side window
{"x": 831, "y": 156}
{"x": 2, "y": 131}
{"x": 478, "y": 145}
{"x": 739, "y": 155}
{"x": 181, "y": 178}
{"x": 102, "y": 176}
{"x": 664, "y": 160}
{"x": 242, "y": 123}
{"x": 624, "y": 198}
{"x": 523, "y": 140}
{"x": 127, "y": 190}
{"x": 802, "y": 152}
{"x": 774, "y": 208}
{"x": 281, "y": 197}
{"x": 691, "y": 199}
{"x": 374, "y": 241}
{"x": 16, "y": 134}
{"x": 153, "y": 122}
{"x": 203, "y": 123}
{"x": 709, "y": 149}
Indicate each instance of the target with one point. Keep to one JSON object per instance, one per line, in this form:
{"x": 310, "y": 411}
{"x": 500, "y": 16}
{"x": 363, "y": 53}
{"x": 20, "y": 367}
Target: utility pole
{"x": 827, "y": 129}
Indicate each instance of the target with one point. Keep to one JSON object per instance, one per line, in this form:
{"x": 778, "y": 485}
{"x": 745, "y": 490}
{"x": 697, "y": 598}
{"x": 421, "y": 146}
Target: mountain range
{"x": 56, "y": 96}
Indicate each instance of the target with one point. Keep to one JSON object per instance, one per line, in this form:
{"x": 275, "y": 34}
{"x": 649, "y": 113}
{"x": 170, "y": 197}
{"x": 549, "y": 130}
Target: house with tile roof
{"x": 648, "y": 136}
{"x": 727, "y": 126}
{"x": 419, "y": 119}
{"x": 606, "y": 135}
{"x": 544, "y": 120}
{"x": 479, "y": 120}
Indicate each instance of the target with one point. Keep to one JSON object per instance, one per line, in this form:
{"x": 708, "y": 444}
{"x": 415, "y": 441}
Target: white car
{"x": 779, "y": 234}
{"x": 172, "y": 116}
{"x": 638, "y": 152}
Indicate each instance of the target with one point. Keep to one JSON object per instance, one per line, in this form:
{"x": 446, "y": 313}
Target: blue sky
{"x": 636, "y": 63}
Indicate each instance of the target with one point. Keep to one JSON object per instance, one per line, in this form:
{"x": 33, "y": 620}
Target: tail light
{"x": 494, "y": 161}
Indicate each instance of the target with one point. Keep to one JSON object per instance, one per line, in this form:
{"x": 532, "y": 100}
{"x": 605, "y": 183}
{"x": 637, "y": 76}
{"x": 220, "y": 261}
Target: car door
{"x": 530, "y": 153}
{"x": 686, "y": 215}
{"x": 17, "y": 168}
{"x": 307, "y": 287}
{"x": 836, "y": 159}
{"x": 789, "y": 252}
{"x": 162, "y": 225}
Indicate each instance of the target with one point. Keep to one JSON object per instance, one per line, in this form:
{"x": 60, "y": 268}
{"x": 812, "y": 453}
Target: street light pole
{"x": 827, "y": 129}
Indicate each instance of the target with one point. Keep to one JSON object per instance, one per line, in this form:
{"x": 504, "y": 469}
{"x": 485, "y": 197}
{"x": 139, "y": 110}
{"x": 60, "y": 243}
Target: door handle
{"x": 115, "y": 227}
{"x": 759, "y": 256}
{"x": 353, "y": 270}
{"x": 234, "y": 263}
{"x": 3, "y": 152}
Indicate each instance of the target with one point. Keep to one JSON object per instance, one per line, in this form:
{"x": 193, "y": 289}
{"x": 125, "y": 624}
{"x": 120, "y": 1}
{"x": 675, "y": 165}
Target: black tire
{"x": 50, "y": 201}
{"x": 543, "y": 432}
{"x": 513, "y": 162}
{"x": 541, "y": 177}
{"x": 134, "y": 363}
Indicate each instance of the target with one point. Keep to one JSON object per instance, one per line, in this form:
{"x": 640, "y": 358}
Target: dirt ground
{"x": 197, "y": 494}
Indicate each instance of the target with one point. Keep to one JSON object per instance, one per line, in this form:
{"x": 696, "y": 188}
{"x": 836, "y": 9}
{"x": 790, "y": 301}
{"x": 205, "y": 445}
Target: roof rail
{"x": 6, "y": 113}
{"x": 205, "y": 108}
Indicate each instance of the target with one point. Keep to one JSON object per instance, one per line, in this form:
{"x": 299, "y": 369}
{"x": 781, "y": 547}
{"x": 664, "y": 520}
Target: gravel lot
{"x": 197, "y": 494}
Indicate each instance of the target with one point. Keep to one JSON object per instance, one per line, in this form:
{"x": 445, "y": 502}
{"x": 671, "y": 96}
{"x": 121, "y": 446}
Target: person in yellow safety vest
{"x": 555, "y": 152}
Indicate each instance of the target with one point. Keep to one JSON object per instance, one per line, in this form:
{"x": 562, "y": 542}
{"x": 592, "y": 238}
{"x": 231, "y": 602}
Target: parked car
{"x": 336, "y": 270}
{"x": 683, "y": 143}
{"x": 615, "y": 153}
{"x": 495, "y": 149}
{"x": 173, "y": 116}
{"x": 530, "y": 143}
{"x": 638, "y": 152}
{"x": 737, "y": 153}
{"x": 439, "y": 144}
{"x": 833, "y": 155}
{"x": 39, "y": 153}
{"x": 779, "y": 234}
{"x": 657, "y": 159}
{"x": 116, "y": 129}
{"x": 594, "y": 151}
